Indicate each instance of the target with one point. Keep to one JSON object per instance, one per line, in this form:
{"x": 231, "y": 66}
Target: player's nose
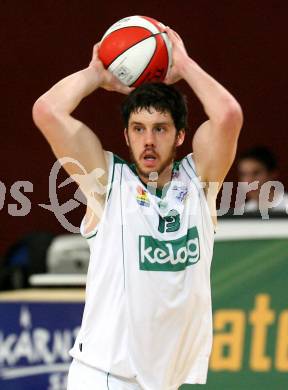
{"x": 149, "y": 138}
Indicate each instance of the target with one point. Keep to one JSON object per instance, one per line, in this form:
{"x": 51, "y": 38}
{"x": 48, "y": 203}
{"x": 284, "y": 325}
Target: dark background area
{"x": 242, "y": 44}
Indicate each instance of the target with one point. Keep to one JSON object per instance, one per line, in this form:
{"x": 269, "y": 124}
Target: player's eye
{"x": 159, "y": 129}
{"x": 138, "y": 129}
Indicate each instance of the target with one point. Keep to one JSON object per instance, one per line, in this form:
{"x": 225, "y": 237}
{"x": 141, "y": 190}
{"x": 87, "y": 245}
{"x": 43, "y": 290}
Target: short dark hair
{"x": 261, "y": 154}
{"x": 161, "y": 97}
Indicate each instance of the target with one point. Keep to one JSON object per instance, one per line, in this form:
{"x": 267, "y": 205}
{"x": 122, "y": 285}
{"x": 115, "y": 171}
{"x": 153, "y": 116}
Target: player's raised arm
{"x": 67, "y": 136}
{"x": 215, "y": 141}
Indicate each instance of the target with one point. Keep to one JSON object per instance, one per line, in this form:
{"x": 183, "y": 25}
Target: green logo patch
{"x": 170, "y": 223}
{"x": 172, "y": 255}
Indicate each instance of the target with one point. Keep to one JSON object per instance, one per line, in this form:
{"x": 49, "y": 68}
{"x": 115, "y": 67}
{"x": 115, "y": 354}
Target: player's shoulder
{"x": 187, "y": 164}
{"x": 117, "y": 166}
{"x": 113, "y": 159}
{"x": 119, "y": 160}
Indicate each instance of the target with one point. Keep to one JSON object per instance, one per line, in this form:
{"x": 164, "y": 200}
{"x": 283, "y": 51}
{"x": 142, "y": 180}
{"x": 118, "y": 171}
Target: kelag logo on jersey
{"x": 34, "y": 345}
{"x": 172, "y": 255}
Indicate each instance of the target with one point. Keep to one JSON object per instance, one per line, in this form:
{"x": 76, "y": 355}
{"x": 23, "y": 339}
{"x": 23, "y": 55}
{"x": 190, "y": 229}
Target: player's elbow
{"x": 232, "y": 116}
{"x": 42, "y": 113}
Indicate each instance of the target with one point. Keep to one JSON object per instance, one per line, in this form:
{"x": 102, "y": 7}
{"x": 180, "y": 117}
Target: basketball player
{"x": 147, "y": 322}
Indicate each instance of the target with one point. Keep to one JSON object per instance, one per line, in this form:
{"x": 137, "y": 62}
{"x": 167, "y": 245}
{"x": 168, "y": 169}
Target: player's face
{"x": 152, "y": 140}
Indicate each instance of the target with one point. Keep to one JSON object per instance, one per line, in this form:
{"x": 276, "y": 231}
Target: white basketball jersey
{"x": 148, "y": 304}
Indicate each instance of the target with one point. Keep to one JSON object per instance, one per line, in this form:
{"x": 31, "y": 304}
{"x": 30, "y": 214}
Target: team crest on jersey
{"x": 142, "y": 196}
{"x": 181, "y": 192}
{"x": 172, "y": 255}
{"x": 175, "y": 174}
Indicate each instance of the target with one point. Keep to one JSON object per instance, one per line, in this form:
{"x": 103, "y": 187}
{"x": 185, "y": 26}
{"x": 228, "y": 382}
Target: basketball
{"x": 136, "y": 50}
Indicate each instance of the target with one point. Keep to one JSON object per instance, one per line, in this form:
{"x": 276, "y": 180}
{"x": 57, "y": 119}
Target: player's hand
{"x": 107, "y": 80}
{"x": 179, "y": 56}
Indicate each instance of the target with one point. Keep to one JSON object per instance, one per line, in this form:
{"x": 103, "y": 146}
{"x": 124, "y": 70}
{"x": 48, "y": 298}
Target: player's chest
{"x": 175, "y": 210}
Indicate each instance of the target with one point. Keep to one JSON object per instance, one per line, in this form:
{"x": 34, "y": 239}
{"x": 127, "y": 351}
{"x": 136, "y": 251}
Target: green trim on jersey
{"x": 116, "y": 160}
{"x": 93, "y": 235}
{"x": 122, "y": 232}
{"x": 189, "y": 163}
{"x": 132, "y": 166}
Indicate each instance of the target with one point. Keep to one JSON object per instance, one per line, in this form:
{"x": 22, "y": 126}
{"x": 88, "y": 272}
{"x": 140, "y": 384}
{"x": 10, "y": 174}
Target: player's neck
{"x": 159, "y": 180}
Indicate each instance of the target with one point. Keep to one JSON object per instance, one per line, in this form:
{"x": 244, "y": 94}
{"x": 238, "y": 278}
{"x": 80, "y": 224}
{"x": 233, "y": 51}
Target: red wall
{"x": 242, "y": 44}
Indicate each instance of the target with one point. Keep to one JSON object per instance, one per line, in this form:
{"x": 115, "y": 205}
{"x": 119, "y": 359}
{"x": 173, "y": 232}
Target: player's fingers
{"x": 169, "y": 77}
{"x": 124, "y": 89}
{"x": 95, "y": 50}
{"x": 177, "y": 35}
{"x": 169, "y": 32}
{"x": 95, "y": 56}
{"x": 167, "y": 80}
{"x": 173, "y": 39}
{"x": 173, "y": 35}
{"x": 118, "y": 86}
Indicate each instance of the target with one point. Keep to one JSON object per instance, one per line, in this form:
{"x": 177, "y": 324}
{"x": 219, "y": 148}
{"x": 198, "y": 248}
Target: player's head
{"x": 155, "y": 119}
{"x": 257, "y": 164}
{"x": 161, "y": 97}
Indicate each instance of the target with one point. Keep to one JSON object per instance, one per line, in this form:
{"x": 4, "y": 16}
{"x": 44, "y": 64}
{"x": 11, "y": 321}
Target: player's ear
{"x": 126, "y": 137}
{"x": 180, "y": 136}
